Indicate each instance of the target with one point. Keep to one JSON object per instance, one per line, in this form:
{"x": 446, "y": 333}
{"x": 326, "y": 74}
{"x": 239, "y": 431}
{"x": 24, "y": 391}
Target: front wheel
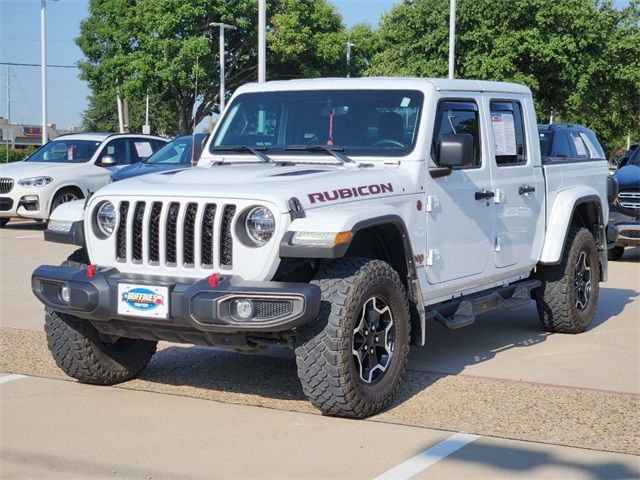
{"x": 568, "y": 296}
{"x": 352, "y": 358}
{"x": 86, "y": 355}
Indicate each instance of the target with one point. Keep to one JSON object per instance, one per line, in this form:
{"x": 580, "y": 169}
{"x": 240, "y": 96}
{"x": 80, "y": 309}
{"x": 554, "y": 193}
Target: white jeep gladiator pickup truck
{"x": 336, "y": 217}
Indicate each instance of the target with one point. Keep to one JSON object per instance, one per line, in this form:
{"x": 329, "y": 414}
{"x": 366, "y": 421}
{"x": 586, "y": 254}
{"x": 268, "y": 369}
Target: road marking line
{"x": 11, "y": 377}
{"x": 427, "y": 458}
{"x": 29, "y": 236}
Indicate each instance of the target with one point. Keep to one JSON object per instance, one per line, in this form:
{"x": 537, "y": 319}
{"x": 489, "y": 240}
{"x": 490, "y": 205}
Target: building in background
{"x": 21, "y": 136}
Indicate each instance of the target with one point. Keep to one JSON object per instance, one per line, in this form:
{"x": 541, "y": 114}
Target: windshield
{"x": 176, "y": 152}
{"x": 65, "y": 151}
{"x": 362, "y": 122}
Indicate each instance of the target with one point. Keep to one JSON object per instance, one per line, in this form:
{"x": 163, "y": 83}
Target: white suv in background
{"x": 65, "y": 169}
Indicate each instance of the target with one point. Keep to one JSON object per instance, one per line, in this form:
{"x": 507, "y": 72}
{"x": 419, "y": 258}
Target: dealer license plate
{"x": 143, "y": 300}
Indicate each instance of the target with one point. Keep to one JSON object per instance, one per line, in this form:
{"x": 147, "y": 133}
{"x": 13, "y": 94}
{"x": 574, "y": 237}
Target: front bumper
{"x": 26, "y": 202}
{"x": 194, "y": 306}
{"x": 623, "y": 230}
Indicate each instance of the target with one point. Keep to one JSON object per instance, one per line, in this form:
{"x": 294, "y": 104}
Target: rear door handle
{"x": 526, "y": 189}
{"x": 484, "y": 195}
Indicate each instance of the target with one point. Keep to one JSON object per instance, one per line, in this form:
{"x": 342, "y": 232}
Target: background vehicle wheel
{"x": 352, "y": 358}
{"x": 567, "y": 298}
{"x": 84, "y": 354}
{"x": 3, "y": 222}
{"x": 63, "y": 196}
{"x": 615, "y": 253}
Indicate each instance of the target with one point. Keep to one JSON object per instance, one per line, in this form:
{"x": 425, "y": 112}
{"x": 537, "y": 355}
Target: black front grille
{"x": 267, "y": 309}
{"x": 136, "y": 244}
{"x": 226, "y": 240}
{"x": 154, "y": 232}
{"x": 189, "y": 234}
{"x": 121, "y": 234}
{"x": 6, "y": 204}
{"x": 6, "y": 184}
{"x": 172, "y": 226}
{"x": 175, "y": 234}
{"x": 207, "y": 234}
{"x": 630, "y": 233}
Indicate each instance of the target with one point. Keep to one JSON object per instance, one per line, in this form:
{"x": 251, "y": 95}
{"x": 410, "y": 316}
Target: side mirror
{"x": 196, "y": 149}
{"x": 455, "y": 150}
{"x": 107, "y": 161}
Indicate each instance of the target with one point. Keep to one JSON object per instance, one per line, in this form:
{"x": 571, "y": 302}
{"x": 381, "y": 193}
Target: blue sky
{"x": 20, "y": 42}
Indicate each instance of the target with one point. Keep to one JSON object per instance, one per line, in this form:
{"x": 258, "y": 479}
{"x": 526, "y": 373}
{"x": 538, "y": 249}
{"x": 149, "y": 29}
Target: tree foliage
{"x": 581, "y": 58}
{"x": 167, "y": 48}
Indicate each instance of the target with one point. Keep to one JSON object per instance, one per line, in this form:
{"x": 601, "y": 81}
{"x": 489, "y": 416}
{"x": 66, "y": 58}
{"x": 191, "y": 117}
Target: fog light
{"x": 65, "y": 293}
{"x": 243, "y": 309}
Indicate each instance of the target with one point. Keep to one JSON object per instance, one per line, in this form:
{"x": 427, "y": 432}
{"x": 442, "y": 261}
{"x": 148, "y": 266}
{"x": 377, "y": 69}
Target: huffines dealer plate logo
{"x": 143, "y": 301}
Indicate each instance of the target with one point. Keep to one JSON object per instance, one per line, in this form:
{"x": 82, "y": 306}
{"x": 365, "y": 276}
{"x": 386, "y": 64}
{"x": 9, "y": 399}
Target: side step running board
{"x": 460, "y": 313}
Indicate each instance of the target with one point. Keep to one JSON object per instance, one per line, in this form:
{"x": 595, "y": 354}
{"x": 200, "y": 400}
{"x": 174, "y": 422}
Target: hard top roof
{"x": 374, "y": 83}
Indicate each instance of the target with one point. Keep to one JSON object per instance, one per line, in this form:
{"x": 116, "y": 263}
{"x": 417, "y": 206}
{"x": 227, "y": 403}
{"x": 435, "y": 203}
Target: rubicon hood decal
{"x": 350, "y": 192}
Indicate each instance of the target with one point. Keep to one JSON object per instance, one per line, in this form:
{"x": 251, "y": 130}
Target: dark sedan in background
{"x": 175, "y": 155}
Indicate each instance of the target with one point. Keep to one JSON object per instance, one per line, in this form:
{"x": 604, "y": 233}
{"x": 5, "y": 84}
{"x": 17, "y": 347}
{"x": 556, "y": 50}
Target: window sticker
{"x": 111, "y": 150}
{"x": 144, "y": 149}
{"x": 405, "y": 102}
{"x": 504, "y": 131}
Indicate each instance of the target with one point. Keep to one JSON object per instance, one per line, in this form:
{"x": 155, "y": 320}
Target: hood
{"x": 19, "y": 170}
{"x": 628, "y": 176}
{"x": 314, "y": 185}
{"x": 143, "y": 169}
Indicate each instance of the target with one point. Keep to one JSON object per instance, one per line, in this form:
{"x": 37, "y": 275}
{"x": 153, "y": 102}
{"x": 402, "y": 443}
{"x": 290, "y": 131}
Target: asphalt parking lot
{"x": 497, "y": 399}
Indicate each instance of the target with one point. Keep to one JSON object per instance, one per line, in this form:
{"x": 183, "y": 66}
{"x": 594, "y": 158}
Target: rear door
{"x": 518, "y": 184}
{"x": 459, "y": 226}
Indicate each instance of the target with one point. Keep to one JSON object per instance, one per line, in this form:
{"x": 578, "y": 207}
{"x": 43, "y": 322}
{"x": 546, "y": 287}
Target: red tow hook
{"x": 91, "y": 270}
{"x": 213, "y": 280}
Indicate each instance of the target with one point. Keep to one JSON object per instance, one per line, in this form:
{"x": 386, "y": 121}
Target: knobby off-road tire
{"x": 330, "y": 373}
{"x": 82, "y": 353}
{"x": 568, "y": 296}
{"x": 615, "y": 253}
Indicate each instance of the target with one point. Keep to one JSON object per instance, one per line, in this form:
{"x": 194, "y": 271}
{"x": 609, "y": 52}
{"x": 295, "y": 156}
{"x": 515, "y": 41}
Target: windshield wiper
{"x": 257, "y": 151}
{"x": 331, "y": 150}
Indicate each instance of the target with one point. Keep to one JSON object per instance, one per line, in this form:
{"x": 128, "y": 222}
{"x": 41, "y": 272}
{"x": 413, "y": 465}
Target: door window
{"x": 118, "y": 149}
{"x": 457, "y": 117}
{"x": 508, "y": 133}
{"x": 141, "y": 149}
{"x": 561, "y": 145}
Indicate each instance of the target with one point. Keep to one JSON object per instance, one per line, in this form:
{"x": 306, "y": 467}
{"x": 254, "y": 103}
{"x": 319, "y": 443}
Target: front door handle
{"x": 484, "y": 195}
{"x": 526, "y": 189}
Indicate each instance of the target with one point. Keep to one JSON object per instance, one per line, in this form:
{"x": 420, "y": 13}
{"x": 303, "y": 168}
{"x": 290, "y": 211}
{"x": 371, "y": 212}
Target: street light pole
{"x": 43, "y": 66}
{"x": 222, "y": 26}
{"x": 452, "y": 37}
{"x": 349, "y": 45}
{"x": 262, "y": 41}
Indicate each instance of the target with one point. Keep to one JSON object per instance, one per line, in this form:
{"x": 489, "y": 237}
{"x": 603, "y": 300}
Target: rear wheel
{"x": 615, "y": 253}
{"x": 352, "y": 358}
{"x": 567, "y": 298}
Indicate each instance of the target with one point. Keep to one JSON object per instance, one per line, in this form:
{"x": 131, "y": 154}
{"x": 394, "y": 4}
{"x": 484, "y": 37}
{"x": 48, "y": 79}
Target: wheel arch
{"x": 580, "y": 208}
{"x": 70, "y": 187}
{"x": 383, "y": 237}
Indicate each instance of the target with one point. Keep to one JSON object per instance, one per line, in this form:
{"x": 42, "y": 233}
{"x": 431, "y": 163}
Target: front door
{"x": 459, "y": 214}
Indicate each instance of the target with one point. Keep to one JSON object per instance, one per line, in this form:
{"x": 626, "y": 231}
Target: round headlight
{"x": 260, "y": 225}
{"x": 106, "y": 218}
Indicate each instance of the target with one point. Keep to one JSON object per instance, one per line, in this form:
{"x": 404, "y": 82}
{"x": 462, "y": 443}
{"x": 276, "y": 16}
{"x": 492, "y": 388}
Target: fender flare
{"x": 560, "y": 221}
{"x": 66, "y": 224}
{"x": 385, "y": 215}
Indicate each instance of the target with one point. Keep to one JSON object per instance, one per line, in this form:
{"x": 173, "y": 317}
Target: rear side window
{"x": 141, "y": 149}
{"x": 508, "y": 133}
{"x": 561, "y": 145}
{"x": 593, "y": 145}
{"x": 457, "y": 117}
{"x": 579, "y": 146}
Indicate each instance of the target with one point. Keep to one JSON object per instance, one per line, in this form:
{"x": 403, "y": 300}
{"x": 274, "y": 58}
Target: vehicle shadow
{"x": 26, "y": 225}
{"x": 490, "y": 458}
{"x": 271, "y": 373}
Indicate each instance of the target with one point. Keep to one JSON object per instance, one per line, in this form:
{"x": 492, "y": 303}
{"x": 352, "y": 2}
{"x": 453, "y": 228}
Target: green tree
{"x": 166, "y": 48}
{"x": 579, "y": 57}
